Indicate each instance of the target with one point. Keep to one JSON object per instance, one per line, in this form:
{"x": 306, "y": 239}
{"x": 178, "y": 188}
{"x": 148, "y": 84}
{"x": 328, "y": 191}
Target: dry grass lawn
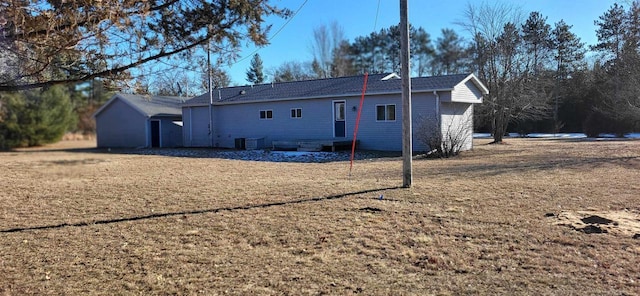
{"x": 501, "y": 219}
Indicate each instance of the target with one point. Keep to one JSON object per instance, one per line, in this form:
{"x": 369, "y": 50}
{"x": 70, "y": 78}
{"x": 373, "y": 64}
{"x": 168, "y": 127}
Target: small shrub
{"x": 442, "y": 141}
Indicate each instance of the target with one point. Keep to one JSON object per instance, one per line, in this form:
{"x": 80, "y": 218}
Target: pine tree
{"x": 568, "y": 54}
{"x": 35, "y": 117}
{"x": 569, "y": 51}
{"x": 255, "y": 73}
{"x": 89, "y": 39}
{"x": 619, "y": 41}
{"x": 536, "y": 34}
{"x": 449, "y": 55}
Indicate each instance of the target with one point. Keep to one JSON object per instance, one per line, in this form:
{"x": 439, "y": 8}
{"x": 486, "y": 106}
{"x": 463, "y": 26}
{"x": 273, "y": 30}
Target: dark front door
{"x": 339, "y": 122}
{"x": 155, "y": 133}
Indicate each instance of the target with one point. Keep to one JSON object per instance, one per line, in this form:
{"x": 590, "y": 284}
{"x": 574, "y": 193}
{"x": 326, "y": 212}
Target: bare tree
{"x": 502, "y": 63}
{"x": 326, "y": 47}
{"x": 292, "y": 71}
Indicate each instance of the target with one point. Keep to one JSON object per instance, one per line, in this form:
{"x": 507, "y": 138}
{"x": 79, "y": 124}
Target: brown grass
{"x": 80, "y": 222}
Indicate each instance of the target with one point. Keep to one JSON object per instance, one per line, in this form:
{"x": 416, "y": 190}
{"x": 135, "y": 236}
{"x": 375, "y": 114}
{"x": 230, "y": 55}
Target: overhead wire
{"x": 364, "y": 90}
{"x": 274, "y": 34}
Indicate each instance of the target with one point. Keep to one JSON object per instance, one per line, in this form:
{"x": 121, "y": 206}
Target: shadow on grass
{"x": 264, "y": 155}
{"x": 195, "y": 212}
{"x": 543, "y": 164}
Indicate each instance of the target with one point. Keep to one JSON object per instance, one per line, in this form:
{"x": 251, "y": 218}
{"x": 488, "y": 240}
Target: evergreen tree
{"x": 568, "y": 50}
{"x": 619, "y": 42}
{"x": 255, "y": 73}
{"x": 450, "y": 54}
{"x": 379, "y": 52}
{"x": 536, "y": 34}
{"x": 568, "y": 54}
{"x": 35, "y": 117}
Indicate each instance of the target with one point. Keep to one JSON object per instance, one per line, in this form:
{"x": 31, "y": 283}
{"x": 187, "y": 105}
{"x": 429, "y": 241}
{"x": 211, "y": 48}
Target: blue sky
{"x": 358, "y": 18}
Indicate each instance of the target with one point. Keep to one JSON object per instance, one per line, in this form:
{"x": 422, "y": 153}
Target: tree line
{"x": 537, "y": 73}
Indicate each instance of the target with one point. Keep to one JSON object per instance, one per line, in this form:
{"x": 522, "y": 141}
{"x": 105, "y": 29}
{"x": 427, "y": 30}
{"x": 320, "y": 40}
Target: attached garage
{"x": 138, "y": 121}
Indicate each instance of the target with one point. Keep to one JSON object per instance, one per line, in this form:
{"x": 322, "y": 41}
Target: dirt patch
{"x": 623, "y": 223}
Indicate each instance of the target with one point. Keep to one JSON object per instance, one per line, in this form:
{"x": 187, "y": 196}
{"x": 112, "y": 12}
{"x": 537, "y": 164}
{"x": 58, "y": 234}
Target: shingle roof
{"x": 150, "y": 105}
{"x": 342, "y": 86}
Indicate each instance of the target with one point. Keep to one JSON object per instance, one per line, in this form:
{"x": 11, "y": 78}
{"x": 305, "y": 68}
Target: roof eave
{"x": 113, "y": 99}
{"x": 221, "y": 103}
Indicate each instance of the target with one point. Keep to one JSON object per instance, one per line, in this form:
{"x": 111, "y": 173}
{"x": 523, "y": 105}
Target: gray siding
{"x": 457, "y": 123}
{"x": 234, "y": 121}
{"x": 387, "y": 135}
{"x": 171, "y": 133}
{"x": 119, "y": 125}
{"x": 243, "y": 121}
{"x": 195, "y": 126}
{"x": 468, "y": 92}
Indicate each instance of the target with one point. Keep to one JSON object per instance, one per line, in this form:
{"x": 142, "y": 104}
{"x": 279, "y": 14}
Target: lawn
{"x": 501, "y": 219}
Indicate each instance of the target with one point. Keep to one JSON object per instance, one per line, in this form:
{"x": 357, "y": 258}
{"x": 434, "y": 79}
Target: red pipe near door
{"x": 355, "y": 131}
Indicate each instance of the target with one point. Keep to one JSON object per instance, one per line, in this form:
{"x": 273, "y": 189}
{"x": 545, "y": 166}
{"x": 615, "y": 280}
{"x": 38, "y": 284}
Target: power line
{"x": 274, "y": 35}
{"x": 375, "y": 23}
{"x": 255, "y": 51}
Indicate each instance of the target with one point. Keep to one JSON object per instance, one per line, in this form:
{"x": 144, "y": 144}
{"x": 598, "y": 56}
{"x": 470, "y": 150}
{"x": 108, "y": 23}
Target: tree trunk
{"x": 500, "y": 126}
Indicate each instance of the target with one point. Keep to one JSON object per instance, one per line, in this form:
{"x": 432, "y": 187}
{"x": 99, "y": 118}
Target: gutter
{"x": 311, "y": 98}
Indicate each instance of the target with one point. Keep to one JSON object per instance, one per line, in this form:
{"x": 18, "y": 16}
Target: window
{"x": 385, "y": 112}
{"x": 339, "y": 110}
{"x": 296, "y": 113}
{"x": 266, "y": 114}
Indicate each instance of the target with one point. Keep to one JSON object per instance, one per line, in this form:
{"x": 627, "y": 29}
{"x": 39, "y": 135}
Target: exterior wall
{"x": 457, "y": 123}
{"x": 195, "y": 127}
{"x": 467, "y": 93}
{"x": 387, "y": 135}
{"x": 243, "y": 121}
{"x": 119, "y": 125}
{"x": 171, "y": 134}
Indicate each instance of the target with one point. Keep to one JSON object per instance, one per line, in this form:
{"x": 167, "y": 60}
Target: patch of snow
{"x": 559, "y": 135}
{"x": 257, "y": 155}
{"x": 481, "y": 135}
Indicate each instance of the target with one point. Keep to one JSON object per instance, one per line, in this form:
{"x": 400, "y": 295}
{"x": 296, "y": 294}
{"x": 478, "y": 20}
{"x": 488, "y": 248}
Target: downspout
{"x": 190, "y": 126}
{"x": 210, "y": 117}
{"x": 439, "y": 117}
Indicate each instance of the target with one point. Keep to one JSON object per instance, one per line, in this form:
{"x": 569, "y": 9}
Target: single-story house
{"x": 326, "y": 109}
{"x": 135, "y": 121}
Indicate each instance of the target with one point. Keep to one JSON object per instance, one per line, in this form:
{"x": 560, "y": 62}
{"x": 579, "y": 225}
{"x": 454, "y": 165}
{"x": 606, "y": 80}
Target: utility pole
{"x": 407, "y": 145}
{"x": 210, "y": 88}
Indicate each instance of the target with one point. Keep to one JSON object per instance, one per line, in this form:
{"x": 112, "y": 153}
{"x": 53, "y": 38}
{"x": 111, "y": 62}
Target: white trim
{"x": 333, "y": 116}
{"x": 266, "y": 117}
{"x": 391, "y": 76}
{"x": 395, "y": 113}
{"x": 476, "y": 81}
